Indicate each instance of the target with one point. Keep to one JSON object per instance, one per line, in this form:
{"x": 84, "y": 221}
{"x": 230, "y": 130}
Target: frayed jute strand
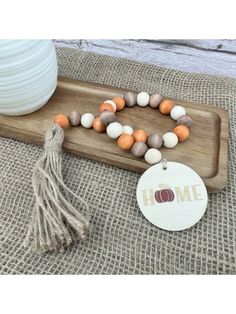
{"x": 55, "y": 223}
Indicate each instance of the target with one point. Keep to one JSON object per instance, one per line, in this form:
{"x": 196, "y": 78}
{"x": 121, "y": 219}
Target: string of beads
{"x": 138, "y": 141}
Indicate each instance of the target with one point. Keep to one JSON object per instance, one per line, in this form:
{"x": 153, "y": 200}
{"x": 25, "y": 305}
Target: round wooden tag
{"x": 172, "y": 199}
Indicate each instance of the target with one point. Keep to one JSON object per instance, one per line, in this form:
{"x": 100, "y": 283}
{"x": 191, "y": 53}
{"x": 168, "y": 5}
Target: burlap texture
{"x": 122, "y": 240}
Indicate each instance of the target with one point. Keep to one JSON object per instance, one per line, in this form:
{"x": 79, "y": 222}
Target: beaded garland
{"x": 137, "y": 141}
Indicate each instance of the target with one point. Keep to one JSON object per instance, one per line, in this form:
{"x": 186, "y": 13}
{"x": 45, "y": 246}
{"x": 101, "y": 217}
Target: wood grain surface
{"x": 205, "y": 151}
{"x": 203, "y": 56}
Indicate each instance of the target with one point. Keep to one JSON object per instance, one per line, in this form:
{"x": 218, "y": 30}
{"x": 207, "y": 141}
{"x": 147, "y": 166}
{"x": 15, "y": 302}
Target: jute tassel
{"x": 55, "y": 223}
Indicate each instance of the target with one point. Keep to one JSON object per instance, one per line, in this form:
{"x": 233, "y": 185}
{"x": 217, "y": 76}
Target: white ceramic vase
{"x": 28, "y": 75}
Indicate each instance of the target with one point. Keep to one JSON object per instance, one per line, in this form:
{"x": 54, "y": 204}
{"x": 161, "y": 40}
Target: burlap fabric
{"x": 122, "y": 240}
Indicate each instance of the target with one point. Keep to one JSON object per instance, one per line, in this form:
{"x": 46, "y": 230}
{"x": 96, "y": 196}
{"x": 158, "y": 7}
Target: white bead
{"x": 170, "y": 139}
{"x": 152, "y": 156}
{"x": 143, "y": 99}
{"x": 111, "y": 102}
{"x": 177, "y": 112}
{"x": 87, "y": 120}
{"x": 114, "y": 130}
{"x": 128, "y": 130}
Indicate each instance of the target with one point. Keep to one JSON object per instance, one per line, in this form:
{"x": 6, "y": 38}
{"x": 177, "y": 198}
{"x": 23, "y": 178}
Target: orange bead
{"x": 62, "y": 120}
{"x": 166, "y": 106}
{"x": 105, "y": 106}
{"x": 98, "y": 126}
{"x": 120, "y": 103}
{"x": 140, "y": 136}
{"x": 182, "y": 132}
{"x": 125, "y": 141}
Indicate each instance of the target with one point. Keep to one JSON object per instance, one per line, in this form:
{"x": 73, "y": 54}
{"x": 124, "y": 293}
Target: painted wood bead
{"x": 140, "y": 136}
{"x": 182, "y": 132}
{"x": 74, "y": 118}
{"x": 111, "y": 102}
{"x": 120, "y": 103}
{"x": 139, "y": 149}
{"x": 177, "y": 112}
{"x": 155, "y": 101}
{"x": 130, "y": 99}
{"x": 87, "y": 120}
{"x": 152, "y": 156}
{"x": 62, "y": 120}
{"x": 143, "y": 99}
{"x": 105, "y": 106}
{"x": 166, "y": 106}
{"x": 125, "y": 141}
{"x": 98, "y": 125}
{"x": 128, "y": 130}
{"x": 185, "y": 120}
{"x": 138, "y": 141}
{"x": 107, "y": 117}
{"x": 154, "y": 140}
{"x": 170, "y": 140}
{"x": 114, "y": 130}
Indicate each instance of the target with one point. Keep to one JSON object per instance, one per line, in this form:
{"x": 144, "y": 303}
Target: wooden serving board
{"x": 205, "y": 151}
